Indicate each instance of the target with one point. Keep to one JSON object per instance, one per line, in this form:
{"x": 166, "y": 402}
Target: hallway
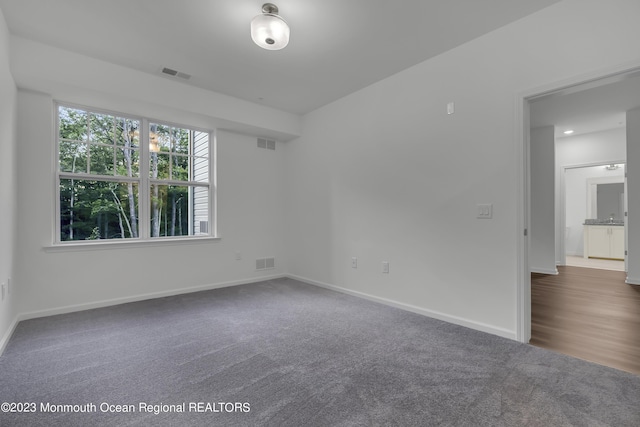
{"x": 587, "y": 313}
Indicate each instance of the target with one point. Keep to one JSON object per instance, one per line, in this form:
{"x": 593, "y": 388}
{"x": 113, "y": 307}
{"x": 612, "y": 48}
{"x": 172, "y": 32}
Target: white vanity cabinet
{"x": 604, "y": 241}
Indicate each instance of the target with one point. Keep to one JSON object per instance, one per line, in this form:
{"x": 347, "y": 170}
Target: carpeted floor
{"x": 290, "y": 354}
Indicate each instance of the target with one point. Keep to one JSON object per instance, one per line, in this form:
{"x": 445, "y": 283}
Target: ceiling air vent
{"x": 174, "y": 73}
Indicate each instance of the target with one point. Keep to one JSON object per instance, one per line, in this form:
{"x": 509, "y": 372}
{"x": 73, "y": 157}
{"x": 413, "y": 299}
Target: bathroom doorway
{"x": 594, "y": 201}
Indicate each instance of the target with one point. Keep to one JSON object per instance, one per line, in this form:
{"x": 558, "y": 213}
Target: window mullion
{"x": 213, "y": 189}
{"x": 90, "y": 177}
{"x": 190, "y": 208}
{"x": 144, "y": 210}
{"x": 178, "y": 182}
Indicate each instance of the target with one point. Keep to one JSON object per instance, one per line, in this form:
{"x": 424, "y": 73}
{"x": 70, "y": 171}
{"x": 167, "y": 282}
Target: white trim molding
{"x": 479, "y": 326}
{"x": 116, "y": 301}
{"x": 141, "y": 297}
{"x": 483, "y": 327}
{"x": 553, "y": 272}
{"x": 7, "y": 336}
{"x": 632, "y": 281}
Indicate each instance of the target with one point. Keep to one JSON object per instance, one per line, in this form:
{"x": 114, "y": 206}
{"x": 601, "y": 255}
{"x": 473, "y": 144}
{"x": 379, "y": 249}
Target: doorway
{"x": 594, "y": 86}
{"x": 552, "y": 322}
{"x": 592, "y": 214}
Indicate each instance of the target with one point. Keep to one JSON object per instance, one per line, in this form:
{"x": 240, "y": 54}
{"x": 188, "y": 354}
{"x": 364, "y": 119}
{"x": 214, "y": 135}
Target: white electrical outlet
{"x": 4, "y": 290}
{"x": 451, "y": 108}
{"x": 238, "y": 256}
{"x": 484, "y": 211}
{"x": 385, "y": 267}
{"x": 354, "y": 262}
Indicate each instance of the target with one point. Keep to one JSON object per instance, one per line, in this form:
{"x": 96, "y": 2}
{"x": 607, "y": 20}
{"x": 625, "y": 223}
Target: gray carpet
{"x": 297, "y": 355}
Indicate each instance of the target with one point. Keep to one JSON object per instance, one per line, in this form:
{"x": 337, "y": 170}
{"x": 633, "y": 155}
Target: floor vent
{"x": 265, "y": 263}
{"x": 269, "y": 144}
{"x": 174, "y": 73}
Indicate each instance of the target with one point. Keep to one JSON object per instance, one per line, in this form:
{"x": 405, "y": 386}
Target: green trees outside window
{"x": 111, "y": 171}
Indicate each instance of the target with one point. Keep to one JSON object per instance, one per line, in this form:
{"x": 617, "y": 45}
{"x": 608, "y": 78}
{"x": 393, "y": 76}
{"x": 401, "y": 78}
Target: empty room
{"x": 232, "y": 213}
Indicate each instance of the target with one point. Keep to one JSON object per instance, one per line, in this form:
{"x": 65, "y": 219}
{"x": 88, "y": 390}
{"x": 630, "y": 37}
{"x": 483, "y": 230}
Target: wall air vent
{"x": 174, "y": 73}
{"x": 269, "y": 144}
{"x": 265, "y": 263}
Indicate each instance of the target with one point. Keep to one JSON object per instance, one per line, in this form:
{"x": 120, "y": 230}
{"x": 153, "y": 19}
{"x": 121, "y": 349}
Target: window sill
{"x": 110, "y": 244}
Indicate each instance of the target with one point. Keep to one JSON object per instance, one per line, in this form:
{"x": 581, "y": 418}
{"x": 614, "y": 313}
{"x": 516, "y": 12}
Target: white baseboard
{"x": 483, "y": 327}
{"x": 553, "y": 272}
{"x": 115, "y": 301}
{"x": 632, "y": 281}
{"x": 140, "y": 297}
{"x": 7, "y": 335}
{"x": 580, "y": 254}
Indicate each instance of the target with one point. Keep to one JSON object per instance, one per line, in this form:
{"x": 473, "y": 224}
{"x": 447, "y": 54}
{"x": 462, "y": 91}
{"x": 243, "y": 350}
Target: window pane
{"x": 127, "y": 162}
{"x": 102, "y": 128}
{"x": 92, "y": 210}
{"x": 201, "y": 144}
{"x": 159, "y": 138}
{"x": 127, "y": 132}
{"x": 101, "y": 162}
{"x": 200, "y": 169}
{"x": 180, "y": 168}
{"x": 73, "y": 157}
{"x": 159, "y": 165}
{"x": 72, "y": 124}
{"x": 200, "y": 210}
{"x": 180, "y": 141}
{"x": 179, "y": 210}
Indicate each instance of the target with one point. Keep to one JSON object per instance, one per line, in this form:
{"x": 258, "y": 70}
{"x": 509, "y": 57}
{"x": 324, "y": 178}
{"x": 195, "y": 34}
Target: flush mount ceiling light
{"x": 269, "y": 30}
{"x": 568, "y": 132}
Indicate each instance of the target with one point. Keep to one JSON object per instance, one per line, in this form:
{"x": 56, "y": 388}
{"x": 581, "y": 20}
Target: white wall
{"x": 542, "y": 233}
{"x": 250, "y": 199}
{"x": 8, "y": 180}
{"x": 250, "y": 185}
{"x": 633, "y": 183}
{"x": 385, "y": 174}
{"x": 575, "y": 180}
{"x": 80, "y": 79}
{"x": 596, "y": 147}
{"x": 609, "y": 146}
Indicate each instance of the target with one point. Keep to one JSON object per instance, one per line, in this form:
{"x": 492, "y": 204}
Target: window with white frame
{"x": 123, "y": 177}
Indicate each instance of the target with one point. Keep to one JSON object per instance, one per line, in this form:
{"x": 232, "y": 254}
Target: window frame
{"x": 143, "y": 181}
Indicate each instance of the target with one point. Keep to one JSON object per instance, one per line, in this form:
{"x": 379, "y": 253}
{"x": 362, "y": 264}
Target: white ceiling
{"x": 337, "y": 46}
{"x": 589, "y": 107}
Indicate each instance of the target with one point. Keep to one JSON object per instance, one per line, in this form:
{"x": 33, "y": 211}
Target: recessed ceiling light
{"x": 568, "y": 132}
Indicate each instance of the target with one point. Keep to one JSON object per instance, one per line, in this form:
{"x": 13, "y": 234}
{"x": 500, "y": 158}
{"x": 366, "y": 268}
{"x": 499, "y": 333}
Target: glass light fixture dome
{"x": 269, "y": 30}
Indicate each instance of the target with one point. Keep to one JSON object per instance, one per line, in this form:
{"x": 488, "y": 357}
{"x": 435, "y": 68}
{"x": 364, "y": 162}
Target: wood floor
{"x": 587, "y": 313}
